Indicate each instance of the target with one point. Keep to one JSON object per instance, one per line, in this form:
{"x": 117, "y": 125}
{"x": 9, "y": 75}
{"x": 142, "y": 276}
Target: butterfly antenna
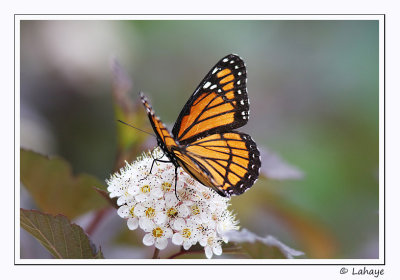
{"x": 137, "y": 128}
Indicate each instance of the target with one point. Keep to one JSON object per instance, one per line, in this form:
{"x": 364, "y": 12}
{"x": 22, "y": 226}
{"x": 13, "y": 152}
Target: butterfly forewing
{"x": 164, "y": 138}
{"x": 219, "y": 104}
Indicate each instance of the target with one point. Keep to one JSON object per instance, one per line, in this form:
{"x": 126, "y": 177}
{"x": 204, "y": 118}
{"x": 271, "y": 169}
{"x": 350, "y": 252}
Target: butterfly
{"x": 203, "y": 140}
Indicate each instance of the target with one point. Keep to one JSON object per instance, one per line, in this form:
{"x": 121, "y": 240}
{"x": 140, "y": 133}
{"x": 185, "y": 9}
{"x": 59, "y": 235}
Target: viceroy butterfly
{"x": 203, "y": 140}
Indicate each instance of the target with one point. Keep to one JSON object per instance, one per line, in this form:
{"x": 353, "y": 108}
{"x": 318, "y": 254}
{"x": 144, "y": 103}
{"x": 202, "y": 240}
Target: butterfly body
{"x": 204, "y": 141}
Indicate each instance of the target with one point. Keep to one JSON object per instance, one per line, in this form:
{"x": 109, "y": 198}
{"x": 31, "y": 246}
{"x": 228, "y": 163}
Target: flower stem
{"x": 99, "y": 215}
{"x": 156, "y": 253}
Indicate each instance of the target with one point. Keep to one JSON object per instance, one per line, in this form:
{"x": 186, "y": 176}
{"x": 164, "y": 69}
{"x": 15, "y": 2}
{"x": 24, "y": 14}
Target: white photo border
{"x": 382, "y": 160}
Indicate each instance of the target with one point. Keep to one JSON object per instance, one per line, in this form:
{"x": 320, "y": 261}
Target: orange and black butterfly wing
{"x": 219, "y": 104}
{"x": 164, "y": 138}
{"x": 227, "y": 162}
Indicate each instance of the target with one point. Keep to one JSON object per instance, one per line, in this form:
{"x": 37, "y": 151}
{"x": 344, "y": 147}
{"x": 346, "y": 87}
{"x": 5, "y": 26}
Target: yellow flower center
{"x": 131, "y": 211}
{"x": 166, "y": 186}
{"x": 195, "y": 209}
{"x": 150, "y": 212}
{"x": 201, "y": 228}
{"x": 186, "y": 233}
{"x": 145, "y": 189}
{"x": 172, "y": 212}
{"x": 157, "y": 232}
{"x": 210, "y": 241}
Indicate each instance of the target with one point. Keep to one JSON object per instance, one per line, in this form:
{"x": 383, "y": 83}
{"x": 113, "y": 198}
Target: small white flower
{"x": 186, "y": 233}
{"x": 125, "y": 197}
{"x": 147, "y": 190}
{"x": 223, "y": 222}
{"x": 211, "y": 244}
{"x": 118, "y": 184}
{"x": 148, "y": 200}
{"x": 199, "y": 212}
{"x": 127, "y": 212}
{"x": 151, "y": 210}
{"x": 157, "y": 235}
{"x": 174, "y": 208}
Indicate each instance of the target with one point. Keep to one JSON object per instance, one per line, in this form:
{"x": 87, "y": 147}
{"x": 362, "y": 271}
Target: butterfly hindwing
{"x": 227, "y": 162}
{"x": 219, "y": 104}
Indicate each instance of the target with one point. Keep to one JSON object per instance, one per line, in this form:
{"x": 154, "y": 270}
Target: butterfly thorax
{"x": 168, "y": 151}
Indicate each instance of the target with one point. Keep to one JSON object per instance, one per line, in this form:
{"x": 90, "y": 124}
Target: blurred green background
{"x": 313, "y": 89}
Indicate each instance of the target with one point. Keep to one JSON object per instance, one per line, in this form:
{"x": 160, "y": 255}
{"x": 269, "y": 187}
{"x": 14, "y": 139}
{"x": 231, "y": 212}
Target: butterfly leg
{"x": 159, "y": 160}
{"x": 176, "y": 180}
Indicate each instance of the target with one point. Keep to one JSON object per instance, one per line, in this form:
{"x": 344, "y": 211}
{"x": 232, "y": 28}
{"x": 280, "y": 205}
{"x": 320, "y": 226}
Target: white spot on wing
{"x": 225, "y": 60}
{"x": 213, "y": 86}
{"x": 215, "y": 70}
{"x": 207, "y": 85}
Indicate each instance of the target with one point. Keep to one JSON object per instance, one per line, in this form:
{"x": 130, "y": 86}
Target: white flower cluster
{"x": 147, "y": 200}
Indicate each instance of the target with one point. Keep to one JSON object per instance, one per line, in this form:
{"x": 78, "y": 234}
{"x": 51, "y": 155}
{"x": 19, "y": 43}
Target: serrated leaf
{"x": 55, "y": 189}
{"x": 61, "y": 238}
